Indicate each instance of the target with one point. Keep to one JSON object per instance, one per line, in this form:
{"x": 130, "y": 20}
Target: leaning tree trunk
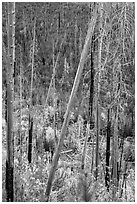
{"x": 54, "y": 95}
{"x": 91, "y": 91}
{"x": 98, "y": 94}
{"x": 10, "y": 61}
{"x": 91, "y": 102}
{"x": 73, "y": 93}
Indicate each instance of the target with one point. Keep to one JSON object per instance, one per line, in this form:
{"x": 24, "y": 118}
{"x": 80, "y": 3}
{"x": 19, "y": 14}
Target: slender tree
{"x": 91, "y": 89}
{"x": 20, "y": 82}
{"x": 10, "y": 61}
{"x": 54, "y": 95}
{"x": 115, "y": 161}
{"x": 84, "y": 149}
{"x": 75, "y": 42}
{"x": 91, "y": 99}
{"x": 98, "y": 90}
{"x": 30, "y": 107}
{"x": 107, "y": 179}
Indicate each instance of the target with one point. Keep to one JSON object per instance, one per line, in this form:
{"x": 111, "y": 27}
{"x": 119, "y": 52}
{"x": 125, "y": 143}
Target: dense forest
{"x": 68, "y": 102}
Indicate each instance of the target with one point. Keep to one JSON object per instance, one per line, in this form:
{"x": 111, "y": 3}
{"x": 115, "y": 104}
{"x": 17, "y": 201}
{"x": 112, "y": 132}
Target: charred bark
{"x": 30, "y": 139}
{"x": 91, "y": 93}
{"x": 6, "y": 104}
{"x": 9, "y": 182}
{"x": 107, "y": 179}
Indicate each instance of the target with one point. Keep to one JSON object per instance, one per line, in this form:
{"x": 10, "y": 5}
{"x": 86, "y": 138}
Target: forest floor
{"x": 70, "y": 183}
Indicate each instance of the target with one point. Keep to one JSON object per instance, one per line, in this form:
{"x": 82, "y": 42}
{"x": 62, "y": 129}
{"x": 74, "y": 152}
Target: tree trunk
{"x": 121, "y": 155}
{"x": 73, "y": 93}
{"x": 75, "y": 42}
{"x": 9, "y": 139}
{"x": 20, "y": 126}
{"x": 115, "y": 160}
{"x": 30, "y": 105}
{"x": 6, "y": 114}
{"x": 98, "y": 93}
{"x": 10, "y": 60}
{"x": 54, "y": 96}
{"x": 97, "y": 141}
{"x": 91, "y": 102}
{"x": 30, "y": 139}
{"x": 108, "y": 150}
{"x": 84, "y": 149}
{"x": 91, "y": 93}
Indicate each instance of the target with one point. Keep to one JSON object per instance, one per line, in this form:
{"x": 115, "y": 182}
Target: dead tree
{"x": 30, "y": 105}
{"x": 73, "y": 93}
{"x": 10, "y": 60}
{"x": 108, "y": 150}
{"x": 100, "y": 44}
